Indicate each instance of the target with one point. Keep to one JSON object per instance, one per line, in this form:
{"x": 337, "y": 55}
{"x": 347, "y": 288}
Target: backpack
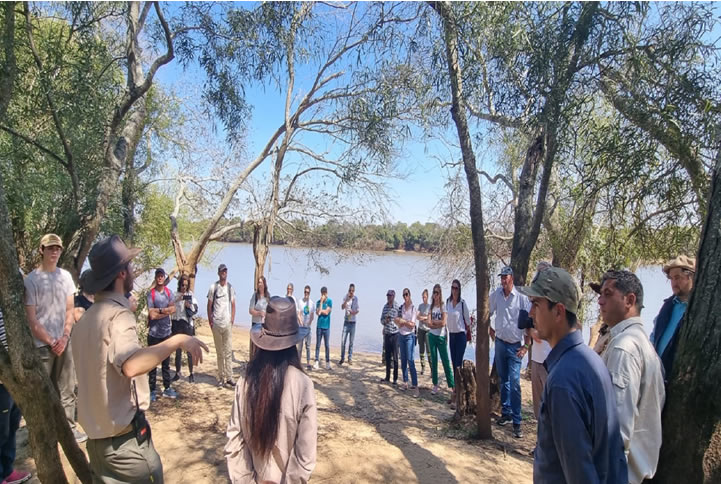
{"x": 230, "y": 295}
{"x": 152, "y": 294}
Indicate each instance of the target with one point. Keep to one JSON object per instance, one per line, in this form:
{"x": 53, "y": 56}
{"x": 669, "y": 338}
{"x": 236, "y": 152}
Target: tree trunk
{"x": 466, "y": 402}
{"x": 8, "y": 71}
{"x": 691, "y": 450}
{"x": 458, "y": 111}
{"x": 24, "y": 375}
{"x": 260, "y": 251}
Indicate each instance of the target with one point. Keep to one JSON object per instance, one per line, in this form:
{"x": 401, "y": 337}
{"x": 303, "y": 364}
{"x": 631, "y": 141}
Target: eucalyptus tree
{"x": 81, "y": 114}
{"x": 344, "y": 93}
{"x": 691, "y": 449}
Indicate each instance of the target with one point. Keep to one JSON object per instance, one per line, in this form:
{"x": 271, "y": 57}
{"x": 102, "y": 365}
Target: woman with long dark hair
{"x": 258, "y": 302}
{"x": 273, "y": 427}
{"x": 437, "y": 344}
{"x": 458, "y": 320}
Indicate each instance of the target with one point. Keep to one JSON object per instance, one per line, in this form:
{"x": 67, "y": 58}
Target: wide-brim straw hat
{"x": 107, "y": 258}
{"x": 280, "y": 330}
{"x": 681, "y": 262}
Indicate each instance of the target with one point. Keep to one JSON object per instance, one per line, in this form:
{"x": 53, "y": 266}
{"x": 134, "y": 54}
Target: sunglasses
{"x": 307, "y": 292}
{"x": 436, "y": 292}
{"x": 455, "y": 287}
{"x": 405, "y": 294}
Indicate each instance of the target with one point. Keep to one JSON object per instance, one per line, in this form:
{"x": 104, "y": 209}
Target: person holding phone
{"x": 186, "y": 307}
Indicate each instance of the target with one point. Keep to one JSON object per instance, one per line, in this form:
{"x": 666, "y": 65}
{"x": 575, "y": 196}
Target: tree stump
{"x": 465, "y": 378}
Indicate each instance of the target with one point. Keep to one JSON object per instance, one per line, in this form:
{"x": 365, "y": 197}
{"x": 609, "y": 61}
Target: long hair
{"x": 440, "y": 297}
{"x": 266, "y": 295}
{"x": 450, "y": 298}
{"x": 264, "y": 381}
{"x": 180, "y": 282}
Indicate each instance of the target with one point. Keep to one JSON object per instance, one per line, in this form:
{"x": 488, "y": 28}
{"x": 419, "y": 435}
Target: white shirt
{"x": 350, "y": 305}
{"x": 640, "y": 394}
{"x": 540, "y": 351}
{"x": 409, "y": 314}
{"x": 307, "y": 311}
{"x": 506, "y": 310}
{"x": 458, "y": 317}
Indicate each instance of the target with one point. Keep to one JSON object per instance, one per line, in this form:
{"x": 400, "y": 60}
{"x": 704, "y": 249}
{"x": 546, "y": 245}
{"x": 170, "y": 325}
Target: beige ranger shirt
{"x": 102, "y": 340}
{"x": 295, "y": 447}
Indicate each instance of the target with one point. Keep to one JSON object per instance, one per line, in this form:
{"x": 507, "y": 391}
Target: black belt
{"x": 504, "y": 341}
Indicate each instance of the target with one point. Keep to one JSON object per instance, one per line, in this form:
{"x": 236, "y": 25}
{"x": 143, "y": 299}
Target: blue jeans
{"x": 9, "y": 423}
{"x": 508, "y": 366}
{"x": 348, "y": 330}
{"x": 457, "y": 343}
{"x": 305, "y": 341}
{"x": 325, "y": 334}
{"x": 407, "y": 343}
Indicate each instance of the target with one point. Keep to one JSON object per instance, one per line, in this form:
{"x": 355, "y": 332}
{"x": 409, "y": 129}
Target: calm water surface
{"x": 372, "y": 273}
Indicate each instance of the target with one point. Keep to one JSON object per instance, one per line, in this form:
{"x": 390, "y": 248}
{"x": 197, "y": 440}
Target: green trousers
{"x": 436, "y": 345}
{"x": 116, "y": 460}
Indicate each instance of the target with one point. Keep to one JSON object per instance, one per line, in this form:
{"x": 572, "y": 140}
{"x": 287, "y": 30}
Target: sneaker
{"x": 435, "y": 390}
{"x": 170, "y": 393}
{"x": 404, "y": 387}
{"x": 340, "y": 363}
{"x": 80, "y": 437}
{"x": 16, "y": 477}
{"x": 230, "y": 383}
{"x": 517, "y": 431}
{"x": 383, "y": 380}
{"x": 316, "y": 366}
{"x": 153, "y": 396}
{"x": 350, "y": 362}
{"x": 191, "y": 378}
{"x": 176, "y": 377}
{"x": 503, "y": 421}
{"x": 327, "y": 365}
{"x": 416, "y": 392}
{"x": 308, "y": 367}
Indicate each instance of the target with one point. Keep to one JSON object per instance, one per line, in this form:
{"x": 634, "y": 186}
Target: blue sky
{"x": 415, "y": 198}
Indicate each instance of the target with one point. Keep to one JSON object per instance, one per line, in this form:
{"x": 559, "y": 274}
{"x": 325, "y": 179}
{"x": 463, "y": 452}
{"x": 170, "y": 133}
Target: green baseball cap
{"x": 557, "y": 286}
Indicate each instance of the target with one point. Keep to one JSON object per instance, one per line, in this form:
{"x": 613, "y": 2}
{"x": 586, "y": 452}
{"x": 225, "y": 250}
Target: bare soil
{"x": 367, "y": 431}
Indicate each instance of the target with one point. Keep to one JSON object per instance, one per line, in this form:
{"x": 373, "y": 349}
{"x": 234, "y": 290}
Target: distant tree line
{"x": 417, "y": 237}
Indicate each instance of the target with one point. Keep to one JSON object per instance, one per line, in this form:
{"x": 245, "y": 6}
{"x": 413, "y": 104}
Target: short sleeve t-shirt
{"x": 422, "y": 311}
{"x": 437, "y": 315}
{"x": 408, "y": 314}
{"x": 259, "y": 304}
{"x": 222, "y": 297}
{"x": 82, "y": 302}
{"x": 49, "y": 292}
{"x": 306, "y": 311}
{"x": 160, "y": 328}
{"x": 350, "y": 305}
{"x": 324, "y": 319}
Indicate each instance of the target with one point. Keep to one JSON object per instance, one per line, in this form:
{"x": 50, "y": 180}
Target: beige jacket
{"x": 293, "y": 457}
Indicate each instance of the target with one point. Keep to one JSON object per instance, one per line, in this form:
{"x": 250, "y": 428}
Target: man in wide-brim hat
{"x": 680, "y": 272}
{"x": 113, "y": 390}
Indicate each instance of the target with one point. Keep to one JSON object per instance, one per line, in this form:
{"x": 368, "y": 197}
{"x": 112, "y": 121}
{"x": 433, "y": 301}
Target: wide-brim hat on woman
{"x": 280, "y": 330}
{"x": 107, "y": 258}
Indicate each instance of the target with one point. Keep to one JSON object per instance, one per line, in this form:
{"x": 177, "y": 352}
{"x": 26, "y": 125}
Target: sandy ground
{"x": 367, "y": 432}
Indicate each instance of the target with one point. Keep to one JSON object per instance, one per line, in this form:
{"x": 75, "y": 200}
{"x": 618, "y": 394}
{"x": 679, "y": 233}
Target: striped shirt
{"x": 388, "y": 315}
{"x": 3, "y": 336}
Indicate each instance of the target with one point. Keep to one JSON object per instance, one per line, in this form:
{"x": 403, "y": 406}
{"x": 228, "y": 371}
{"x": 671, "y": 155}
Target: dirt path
{"x": 367, "y": 432}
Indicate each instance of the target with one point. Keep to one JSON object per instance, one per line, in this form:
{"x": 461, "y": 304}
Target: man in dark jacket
{"x": 680, "y": 271}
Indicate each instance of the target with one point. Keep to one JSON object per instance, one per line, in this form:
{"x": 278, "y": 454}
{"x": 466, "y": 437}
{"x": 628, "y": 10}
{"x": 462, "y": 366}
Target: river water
{"x": 373, "y": 273}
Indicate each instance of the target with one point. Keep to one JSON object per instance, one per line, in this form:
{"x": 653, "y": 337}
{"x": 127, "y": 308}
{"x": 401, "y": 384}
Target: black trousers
{"x": 181, "y": 326}
{"x": 390, "y": 347}
{"x": 165, "y": 365}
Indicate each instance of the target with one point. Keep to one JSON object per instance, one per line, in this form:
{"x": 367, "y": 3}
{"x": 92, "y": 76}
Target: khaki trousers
{"x": 62, "y": 373}
{"x": 222, "y": 337}
{"x": 121, "y": 459}
{"x": 538, "y": 381}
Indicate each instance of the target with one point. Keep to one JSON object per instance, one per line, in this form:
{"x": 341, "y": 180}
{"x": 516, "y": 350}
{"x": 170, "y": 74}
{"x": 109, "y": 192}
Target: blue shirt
{"x": 324, "y": 319}
{"x": 579, "y": 440}
{"x": 679, "y": 307}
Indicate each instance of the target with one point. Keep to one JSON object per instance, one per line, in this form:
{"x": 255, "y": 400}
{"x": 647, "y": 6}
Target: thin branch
{"x": 35, "y": 144}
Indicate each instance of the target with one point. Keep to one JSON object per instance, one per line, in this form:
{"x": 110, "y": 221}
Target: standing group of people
{"x": 600, "y": 409}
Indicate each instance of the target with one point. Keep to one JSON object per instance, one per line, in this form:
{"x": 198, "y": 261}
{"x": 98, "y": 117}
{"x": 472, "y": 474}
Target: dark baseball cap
{"x": 222, "y": 267}
{"x": 159, "y": 271}
{"x": 506, "y": 271}
{"x": 556, "y": 285}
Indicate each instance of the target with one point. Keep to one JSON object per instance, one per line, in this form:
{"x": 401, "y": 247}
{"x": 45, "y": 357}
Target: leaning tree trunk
{"x": 691, "y": 450}
{"x": 458, "y": 111}
{"x": 24, "y": 376}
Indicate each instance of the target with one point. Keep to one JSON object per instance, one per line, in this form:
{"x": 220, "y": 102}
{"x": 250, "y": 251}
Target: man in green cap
{"x": 579, "y": 439}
